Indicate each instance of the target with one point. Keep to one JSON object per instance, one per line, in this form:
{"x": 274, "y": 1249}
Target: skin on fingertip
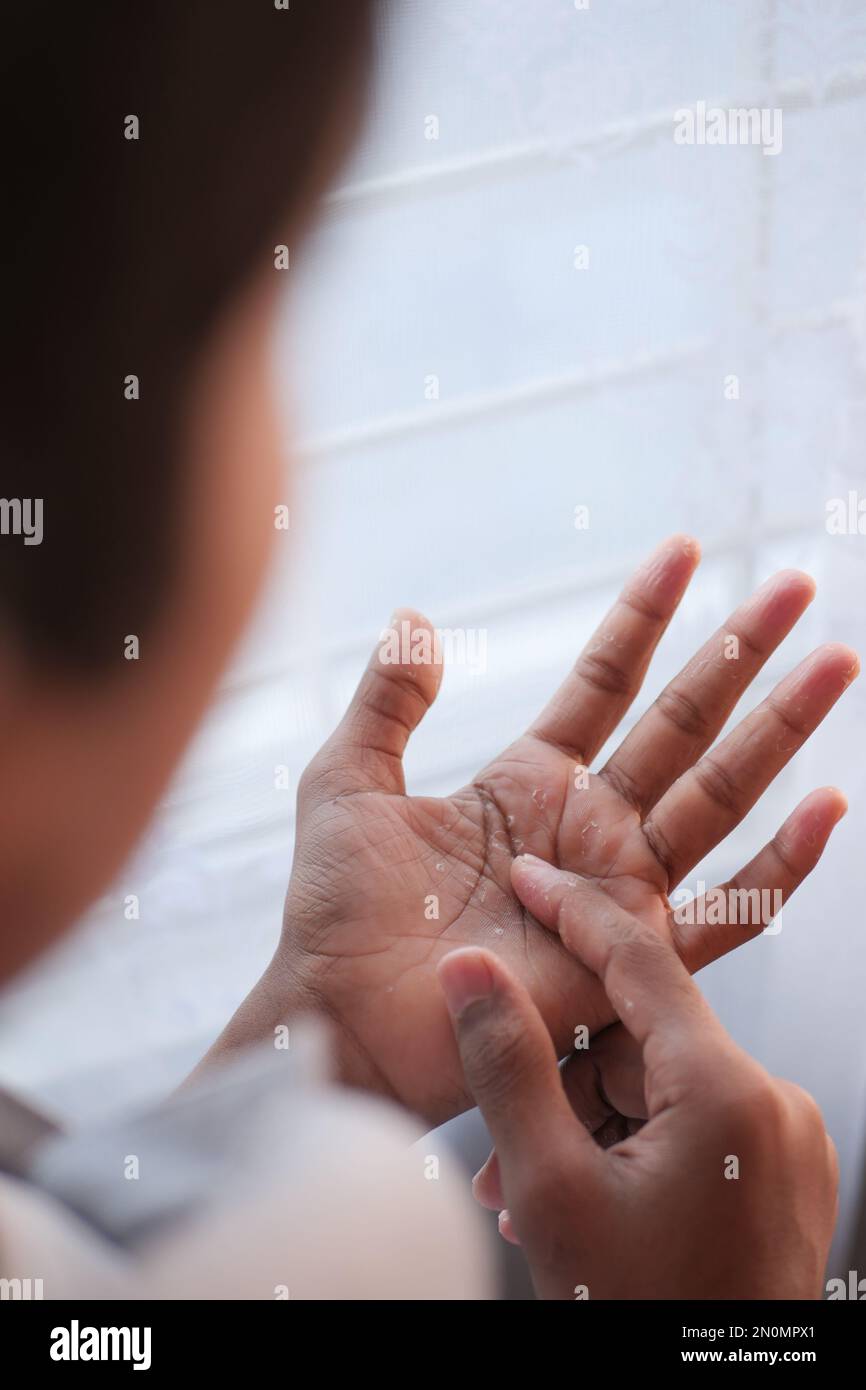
{"x": 466, "y": 977}
{"x": 534, "y": 879}
{"x": 828, "y": 801}
{"x": 668, "y": 570}
{"x": 680, "y": 543}
{"x": 812, "y": 823}
{"x": 534, "y": 870}
{"x": 487, "y": 1186}
{"x": 506, "y": 1230}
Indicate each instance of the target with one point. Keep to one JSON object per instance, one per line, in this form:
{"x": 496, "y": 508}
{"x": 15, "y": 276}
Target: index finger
{"x": 651, "y": 990}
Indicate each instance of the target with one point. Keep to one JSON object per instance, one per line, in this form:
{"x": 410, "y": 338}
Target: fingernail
{"x": 465, "y": 978}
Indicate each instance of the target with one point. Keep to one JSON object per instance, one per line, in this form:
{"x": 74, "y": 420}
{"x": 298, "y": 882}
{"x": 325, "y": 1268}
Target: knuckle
{"x": 680, "y": 710}
{"x": 623, "y": 783}
{"x": 391, "y": 693}
{"x": 604, "y": 675}
{"x": 804, "y": 1106}
{"x": 755, "y": 1103}
{"x": 636, "y": 950}
{"x": 776, "y": 1111}
{"x": 719, "y": 786}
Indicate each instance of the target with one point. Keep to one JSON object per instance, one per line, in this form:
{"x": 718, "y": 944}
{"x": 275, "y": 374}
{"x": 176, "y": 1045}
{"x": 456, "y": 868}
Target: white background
{"x": 558, "y": 387}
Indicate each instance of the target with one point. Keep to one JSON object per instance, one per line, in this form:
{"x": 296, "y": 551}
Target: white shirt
{"x": 261, "y": 1182}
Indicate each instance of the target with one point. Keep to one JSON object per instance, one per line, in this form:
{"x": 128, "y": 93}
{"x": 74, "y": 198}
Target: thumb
{"x": 510, "y": 1067}
{"x": 402, "y": 679}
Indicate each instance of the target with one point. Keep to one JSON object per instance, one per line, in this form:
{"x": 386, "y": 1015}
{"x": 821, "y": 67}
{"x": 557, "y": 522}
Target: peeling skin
{"x": 697, "y": 665}
{"x": 587, "y": 829}
{"x": 622, "y": 1004}
{"x": 604, "y": 639}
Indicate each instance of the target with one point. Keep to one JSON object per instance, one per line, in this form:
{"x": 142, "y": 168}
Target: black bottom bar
{"x": 255, "y": 1339}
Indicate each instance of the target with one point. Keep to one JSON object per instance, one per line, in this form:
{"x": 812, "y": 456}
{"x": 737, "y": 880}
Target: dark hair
{"x": 118, "y": 256}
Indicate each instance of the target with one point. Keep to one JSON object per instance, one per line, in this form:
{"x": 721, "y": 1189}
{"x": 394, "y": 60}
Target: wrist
{"x": 318, "y": 985}
{"x": 288, "y": 989}
{"x": 275, "y": 1001}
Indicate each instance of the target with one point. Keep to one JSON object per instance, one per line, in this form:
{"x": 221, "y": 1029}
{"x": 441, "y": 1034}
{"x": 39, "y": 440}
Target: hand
{"x": 357, "y": 943}
{"x": 727, "y": 1191}
{"x": 605, "y": 1085}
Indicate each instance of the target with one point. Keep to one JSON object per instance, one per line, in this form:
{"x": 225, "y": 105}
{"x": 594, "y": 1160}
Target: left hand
{"x": 357, "y": 943}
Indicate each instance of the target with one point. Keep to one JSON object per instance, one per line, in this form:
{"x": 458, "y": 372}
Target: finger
{"x": 644, "y": 979}
{"x": 605, "y": 1082}
{"x": 506, "y": 1228}
{"x": 402, "y": 679}
{"x": 610, "y": 669}
{"x": 694, "y": 707}
{"x": 487, "y": 1190}
{"x": 606, "y": 1079}
{"x": 735, "y": 911}
{"x": 508, "y": 1060}
{"x": 487, "y": 1184}
{"x": 712, "y": 798}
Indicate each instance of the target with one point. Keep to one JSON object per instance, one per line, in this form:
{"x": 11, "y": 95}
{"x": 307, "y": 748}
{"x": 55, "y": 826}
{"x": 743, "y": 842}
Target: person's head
{"x": 156, "y": 155}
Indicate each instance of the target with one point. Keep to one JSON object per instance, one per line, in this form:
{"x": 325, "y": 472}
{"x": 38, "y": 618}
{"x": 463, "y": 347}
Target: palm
{"x": 407, "y": 879}
{"x": 385, "y": 884}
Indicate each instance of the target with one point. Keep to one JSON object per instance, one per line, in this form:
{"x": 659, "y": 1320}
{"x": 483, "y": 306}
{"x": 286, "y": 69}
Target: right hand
{"x": 727, "y": 1191}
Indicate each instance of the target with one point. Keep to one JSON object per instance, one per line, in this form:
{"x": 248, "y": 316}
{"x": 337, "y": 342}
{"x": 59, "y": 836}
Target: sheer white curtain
{"x": 526, "y": 298}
